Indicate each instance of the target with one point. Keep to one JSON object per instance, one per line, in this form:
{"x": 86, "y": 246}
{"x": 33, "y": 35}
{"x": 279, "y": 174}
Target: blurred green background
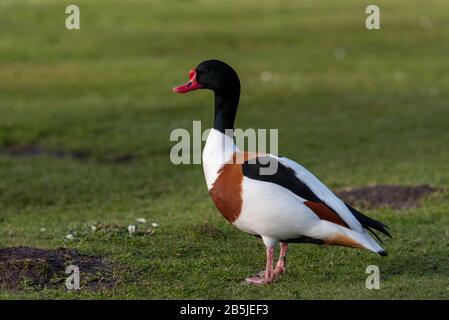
{"x": 85, "y": 119}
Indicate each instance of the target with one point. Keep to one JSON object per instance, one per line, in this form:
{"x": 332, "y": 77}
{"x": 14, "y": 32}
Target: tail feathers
{"x": 369, "y": 223}
{"x": 383, "y": 253}
{"x": 374, "y": 234}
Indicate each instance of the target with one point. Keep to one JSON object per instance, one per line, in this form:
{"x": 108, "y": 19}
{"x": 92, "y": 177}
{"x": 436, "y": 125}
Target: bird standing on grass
{"x": 289, "y": 205}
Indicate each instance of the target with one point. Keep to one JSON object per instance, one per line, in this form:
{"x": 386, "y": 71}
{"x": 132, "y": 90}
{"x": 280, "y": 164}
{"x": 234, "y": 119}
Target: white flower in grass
{"x": 43, "y": 229}
{"x": 266, "y": 76}
{"x": 155, "y": 224}
{"x": 340, "y": 53}
{"x": 70, "y": 236}
{"x": 132, "y": 228}
{"x": 93, "y": 227}
{"x": 141, "y": 220}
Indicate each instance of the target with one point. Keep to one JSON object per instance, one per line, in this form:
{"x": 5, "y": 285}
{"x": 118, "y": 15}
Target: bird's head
{"x": 211, "y": 74}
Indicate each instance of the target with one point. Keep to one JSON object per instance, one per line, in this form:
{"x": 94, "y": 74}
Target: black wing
{"x": 284, "y": 176}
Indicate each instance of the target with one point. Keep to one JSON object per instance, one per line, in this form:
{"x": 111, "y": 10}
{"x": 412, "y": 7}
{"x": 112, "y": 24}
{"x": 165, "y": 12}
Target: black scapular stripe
{"x": 284, "y": 176}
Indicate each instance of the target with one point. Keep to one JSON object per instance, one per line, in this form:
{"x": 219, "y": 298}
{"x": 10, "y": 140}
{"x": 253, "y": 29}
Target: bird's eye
{"x": 206, "y": 71}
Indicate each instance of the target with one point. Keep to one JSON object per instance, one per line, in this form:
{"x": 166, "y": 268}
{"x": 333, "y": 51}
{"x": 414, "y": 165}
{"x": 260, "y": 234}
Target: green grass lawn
{"x": 378, "y": 116}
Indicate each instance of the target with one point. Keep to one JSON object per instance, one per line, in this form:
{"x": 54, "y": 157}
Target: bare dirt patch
{"x": 393, "y": 196}
{"x": 34, "y": 151}
{"x": 24, "y": 267}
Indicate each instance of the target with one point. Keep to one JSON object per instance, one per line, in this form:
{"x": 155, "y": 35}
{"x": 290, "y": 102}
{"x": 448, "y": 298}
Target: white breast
{"x": 218, "y": 150}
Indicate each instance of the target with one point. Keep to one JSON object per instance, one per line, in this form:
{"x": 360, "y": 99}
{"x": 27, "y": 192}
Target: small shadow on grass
{"x": 425, "y": 264}
{"x": 210, "y": 231}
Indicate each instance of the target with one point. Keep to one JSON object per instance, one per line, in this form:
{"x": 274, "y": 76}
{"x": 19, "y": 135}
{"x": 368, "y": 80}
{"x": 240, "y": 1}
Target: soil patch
{"x": 34, "y": 151}
{"x": 394, "y": 196}
{"x": 24, "y": 267}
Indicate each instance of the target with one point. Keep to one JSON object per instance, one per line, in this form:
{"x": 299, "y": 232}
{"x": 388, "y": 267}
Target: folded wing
{"x": 311, "y": 190}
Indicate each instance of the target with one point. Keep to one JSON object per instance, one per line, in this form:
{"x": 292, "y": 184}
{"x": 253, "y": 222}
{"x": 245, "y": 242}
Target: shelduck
{"x": 290, "y": 205}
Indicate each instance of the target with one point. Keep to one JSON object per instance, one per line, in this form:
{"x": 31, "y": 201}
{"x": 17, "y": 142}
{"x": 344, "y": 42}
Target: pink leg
{"x": 267, "y": 276}
{"x": 280, "y": 266}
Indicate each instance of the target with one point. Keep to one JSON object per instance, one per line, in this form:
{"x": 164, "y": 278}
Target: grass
{"x": 377, "y": 116}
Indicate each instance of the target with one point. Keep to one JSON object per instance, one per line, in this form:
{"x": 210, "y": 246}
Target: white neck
{"x": 218, "y": 150}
